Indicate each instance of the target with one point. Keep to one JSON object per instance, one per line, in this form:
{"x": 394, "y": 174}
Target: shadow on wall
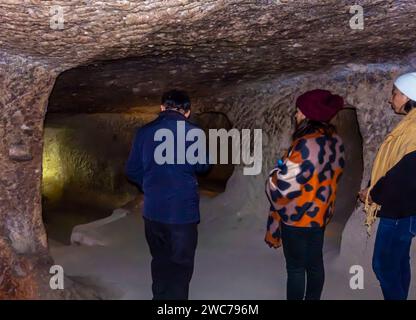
{"x": 348, "y": 128}
{"x": 215, "y": 182}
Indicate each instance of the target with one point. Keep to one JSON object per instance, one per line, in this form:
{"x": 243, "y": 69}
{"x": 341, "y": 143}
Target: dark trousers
{"x": 172, "y": 247}
{"x": 391, "y": 258}
{"x": 302, "y": 248}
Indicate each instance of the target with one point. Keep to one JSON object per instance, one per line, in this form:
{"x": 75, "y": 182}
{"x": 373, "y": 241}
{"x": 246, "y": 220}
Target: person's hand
{"x": 362, "y": 195}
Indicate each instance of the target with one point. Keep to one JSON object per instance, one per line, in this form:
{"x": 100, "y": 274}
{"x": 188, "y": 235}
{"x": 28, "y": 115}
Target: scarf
{"x": 400, "y": 142}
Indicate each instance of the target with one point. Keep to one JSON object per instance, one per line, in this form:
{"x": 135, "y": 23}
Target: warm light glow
{"x": 53, "y": 174}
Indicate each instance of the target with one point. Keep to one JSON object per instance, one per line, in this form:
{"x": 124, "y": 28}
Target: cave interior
{"x": 72, "y": 98}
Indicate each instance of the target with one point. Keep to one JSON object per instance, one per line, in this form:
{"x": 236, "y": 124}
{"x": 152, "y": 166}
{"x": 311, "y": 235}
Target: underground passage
{"x": 82, "y": 100}
{"x": 83, "y": 165}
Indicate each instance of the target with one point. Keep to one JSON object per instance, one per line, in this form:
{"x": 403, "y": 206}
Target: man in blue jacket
{"x": 171, "y": 198}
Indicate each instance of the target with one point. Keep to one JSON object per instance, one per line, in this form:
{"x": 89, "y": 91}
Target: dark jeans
{"x": 173, "y": 251}
{"x": 304, "y": 262}
{"x": 391, "y": 258}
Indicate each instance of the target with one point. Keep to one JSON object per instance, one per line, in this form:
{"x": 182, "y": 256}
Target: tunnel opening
{"x": 348, "y": 128}
{"x": 216, "y": 180}
{"x": 84, "y": 155}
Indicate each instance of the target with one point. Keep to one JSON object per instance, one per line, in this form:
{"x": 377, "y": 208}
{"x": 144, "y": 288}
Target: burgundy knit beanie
{"x": 320, "y": 105}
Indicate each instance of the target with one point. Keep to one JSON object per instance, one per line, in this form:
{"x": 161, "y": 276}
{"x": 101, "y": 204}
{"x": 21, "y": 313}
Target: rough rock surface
{"x": 247, "y": 59}
{"x": 214, "y": 41}
{"x": 25, "y": 87}
{"x": 197, "y": 44}
{"x": 84, "y": 157}
{"x": 269, "y": 105}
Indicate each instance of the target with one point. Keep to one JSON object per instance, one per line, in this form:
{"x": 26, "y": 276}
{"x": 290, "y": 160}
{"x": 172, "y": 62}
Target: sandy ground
{"x": 232, "y": 262}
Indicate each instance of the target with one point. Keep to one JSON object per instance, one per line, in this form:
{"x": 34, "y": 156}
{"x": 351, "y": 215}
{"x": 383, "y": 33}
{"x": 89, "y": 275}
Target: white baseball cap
{"x": 406, "y": 83}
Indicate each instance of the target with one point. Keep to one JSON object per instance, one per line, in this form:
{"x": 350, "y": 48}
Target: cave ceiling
{"x": 115, "y": 55}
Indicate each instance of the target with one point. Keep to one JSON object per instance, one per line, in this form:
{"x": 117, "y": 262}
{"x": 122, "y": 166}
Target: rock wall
{"x": 84, "y": 157}
{"x": 25, "y": 87}
{"x": 25, "y": 262}
{"x": 269, "y": 105}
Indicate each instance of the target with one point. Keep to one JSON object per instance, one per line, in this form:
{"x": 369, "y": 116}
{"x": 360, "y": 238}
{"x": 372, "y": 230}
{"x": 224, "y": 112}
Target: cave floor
{"x": 232, "y": 262}
{"x": 60, "y": 221}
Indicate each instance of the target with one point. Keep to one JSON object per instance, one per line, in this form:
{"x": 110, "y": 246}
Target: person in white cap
{"x": 392, "y": 195}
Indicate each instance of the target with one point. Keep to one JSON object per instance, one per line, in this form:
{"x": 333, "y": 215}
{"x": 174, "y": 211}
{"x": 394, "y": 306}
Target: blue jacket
{"x": 170, "y": 190}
